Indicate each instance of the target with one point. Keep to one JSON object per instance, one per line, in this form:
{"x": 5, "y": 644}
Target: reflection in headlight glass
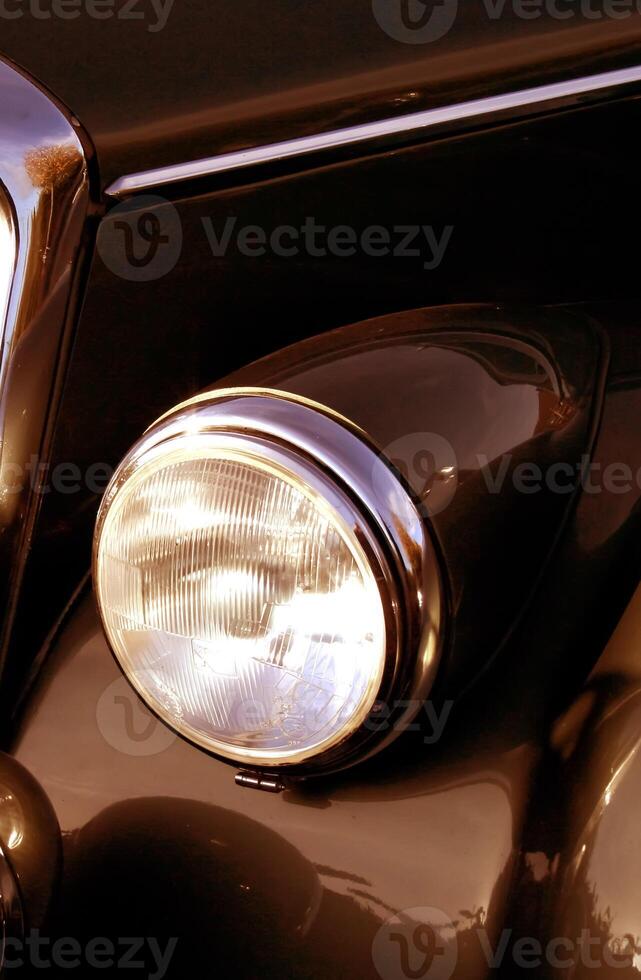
{"x": 241, "y": 605}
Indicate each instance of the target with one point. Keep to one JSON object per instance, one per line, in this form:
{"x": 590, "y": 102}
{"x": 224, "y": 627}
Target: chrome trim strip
{"x": 44, "y": 204}
{"x": 8, "y": 252}
{"x": 496, "y": 105}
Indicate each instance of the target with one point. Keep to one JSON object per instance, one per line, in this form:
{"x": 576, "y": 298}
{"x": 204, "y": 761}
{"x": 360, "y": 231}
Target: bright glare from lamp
{"x": 240, "y": 604}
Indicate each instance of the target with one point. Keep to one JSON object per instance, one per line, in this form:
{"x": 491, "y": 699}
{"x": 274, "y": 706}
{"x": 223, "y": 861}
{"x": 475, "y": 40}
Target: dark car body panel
{"x": 578, "y": 200}
{"x": 452, "y": 825}
{"x": 443, "y": 833}
{"x": 230, "y": 75}
{"x": 487, "y": 824}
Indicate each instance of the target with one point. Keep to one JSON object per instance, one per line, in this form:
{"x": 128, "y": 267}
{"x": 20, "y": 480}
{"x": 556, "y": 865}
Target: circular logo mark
{"x": 415, "y": 21}
{"x": 428, "y": 463}
{"x": 126, "y": 725}
{"x": 141, "y": 239}
{"x": 416, "y": 944}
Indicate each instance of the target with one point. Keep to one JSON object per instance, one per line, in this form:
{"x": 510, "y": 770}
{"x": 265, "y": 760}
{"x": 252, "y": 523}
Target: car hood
{"x": 156, "y": 82}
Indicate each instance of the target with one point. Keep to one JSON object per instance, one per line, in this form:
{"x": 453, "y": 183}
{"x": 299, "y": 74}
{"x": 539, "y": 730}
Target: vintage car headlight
{"x": 255, "y": 594}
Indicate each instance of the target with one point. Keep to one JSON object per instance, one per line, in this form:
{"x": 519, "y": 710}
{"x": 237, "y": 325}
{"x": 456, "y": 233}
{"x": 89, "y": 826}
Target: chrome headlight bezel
{"x": 340, "y": 464}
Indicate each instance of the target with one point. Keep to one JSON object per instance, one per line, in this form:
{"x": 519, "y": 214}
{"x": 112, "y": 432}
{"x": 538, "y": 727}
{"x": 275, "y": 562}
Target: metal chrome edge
{"x": 11, "y": 913}
{"x": 328, "y": 452}
{"x": 555, "y": 95}
{"x": 44, "y": 203}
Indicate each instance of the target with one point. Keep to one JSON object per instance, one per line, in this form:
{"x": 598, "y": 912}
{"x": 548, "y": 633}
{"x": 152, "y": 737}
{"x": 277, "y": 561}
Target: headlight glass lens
{"x": 240, "y": 603}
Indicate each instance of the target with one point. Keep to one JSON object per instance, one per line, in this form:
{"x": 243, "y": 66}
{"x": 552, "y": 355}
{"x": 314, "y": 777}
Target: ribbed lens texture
{"x": 240, "y": 606}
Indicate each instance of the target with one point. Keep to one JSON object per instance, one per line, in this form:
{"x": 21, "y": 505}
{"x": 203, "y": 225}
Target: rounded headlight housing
{"x": 266, "y": 583}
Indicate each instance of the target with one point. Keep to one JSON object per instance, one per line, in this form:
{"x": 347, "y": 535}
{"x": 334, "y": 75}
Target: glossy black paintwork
{"x": 31, "y": 841}
{"x": 561, "y": 188}
{"x": 228, "y": 75}
{"x": 263, "y": 883}
{"x": 538, "y": 209}
{"x": 578, "y": 877}
{"x": 452, "y": 814}
{"x": 464, "y": 398}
